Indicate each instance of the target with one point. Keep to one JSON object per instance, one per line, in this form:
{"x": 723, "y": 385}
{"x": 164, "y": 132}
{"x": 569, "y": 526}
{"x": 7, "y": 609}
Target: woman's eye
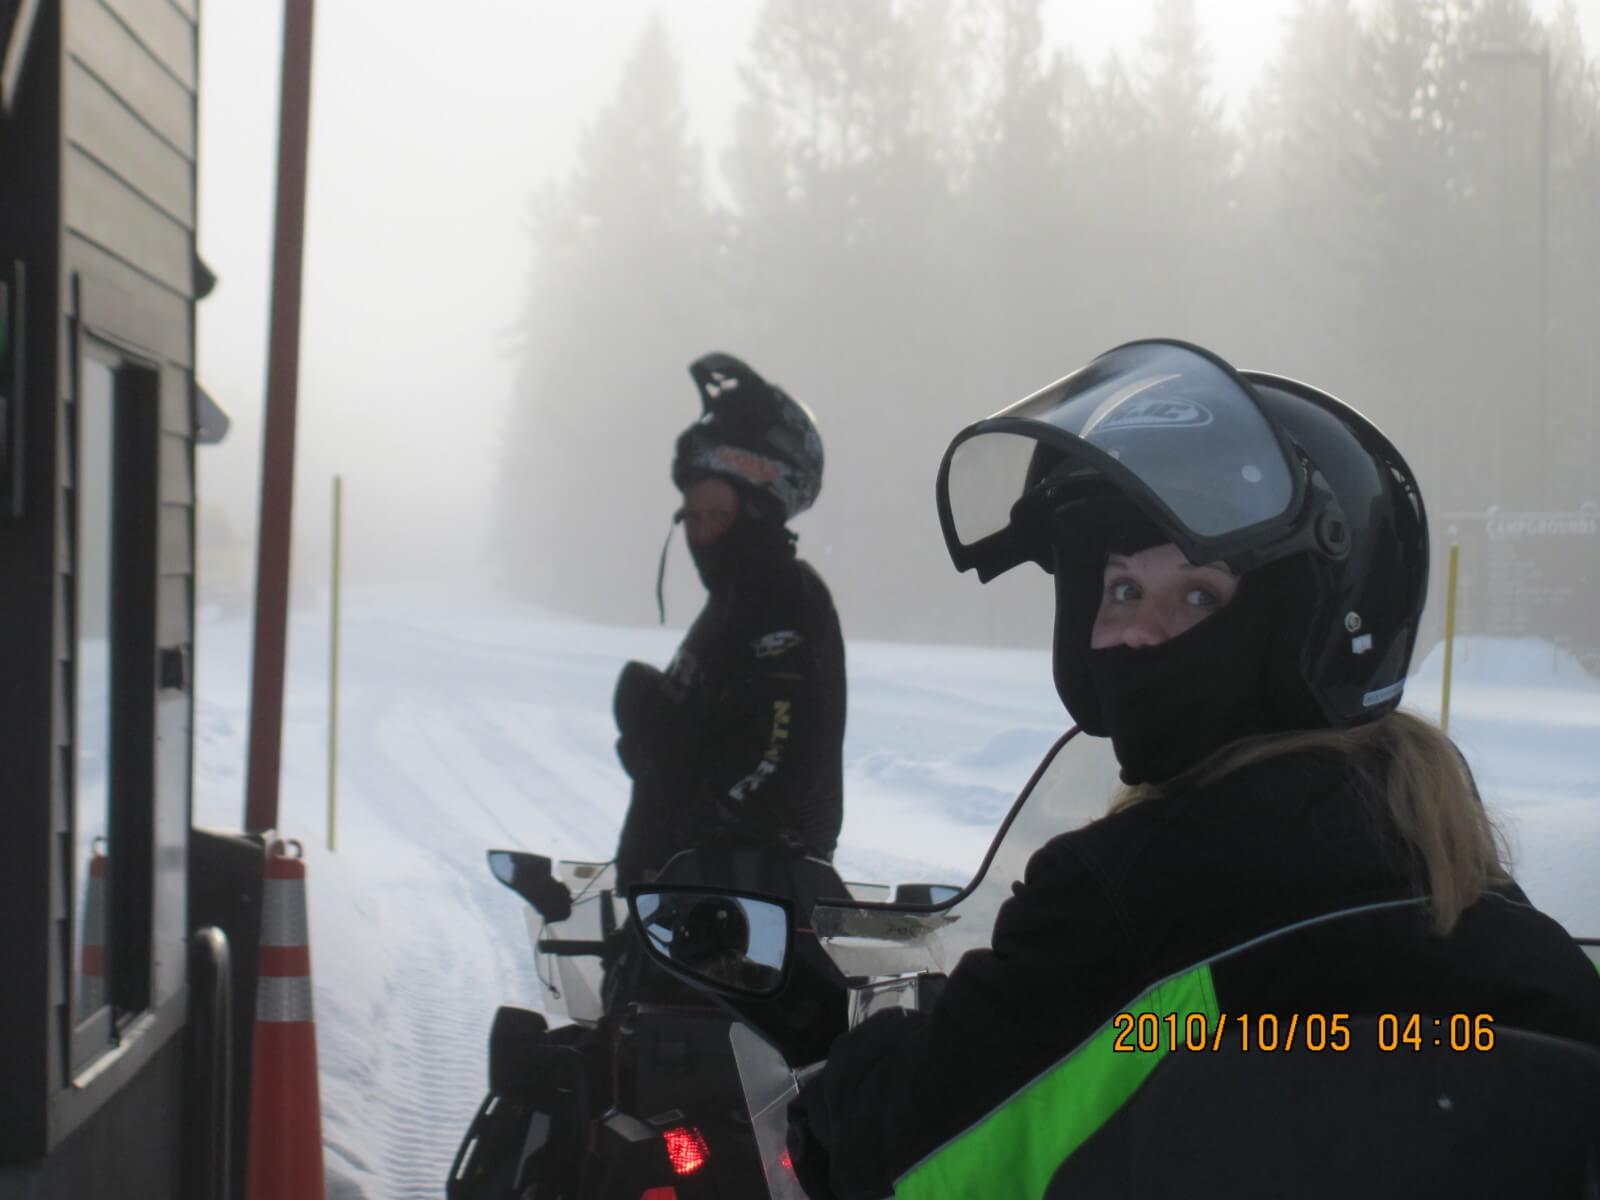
{"x": 1201, "y": 598}
{"x": 1123, "y": 592}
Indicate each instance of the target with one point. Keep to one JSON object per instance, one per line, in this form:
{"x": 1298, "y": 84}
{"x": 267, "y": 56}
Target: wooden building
{"x": 113, "y": 1013}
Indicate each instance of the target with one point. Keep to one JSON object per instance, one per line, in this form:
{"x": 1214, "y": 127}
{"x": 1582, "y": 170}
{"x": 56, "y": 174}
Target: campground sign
{"x": 1524, "y": 574}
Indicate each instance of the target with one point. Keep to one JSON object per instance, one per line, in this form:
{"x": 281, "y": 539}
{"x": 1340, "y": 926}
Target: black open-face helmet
{"x": 1238, "y": 467}
{"x": 713, "y": 928}
{"x": 751, "y": 433}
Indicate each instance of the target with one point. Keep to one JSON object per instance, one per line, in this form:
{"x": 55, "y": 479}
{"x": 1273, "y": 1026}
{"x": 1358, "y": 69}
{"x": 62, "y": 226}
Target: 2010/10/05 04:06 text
{"x": 1149, "y": 1032}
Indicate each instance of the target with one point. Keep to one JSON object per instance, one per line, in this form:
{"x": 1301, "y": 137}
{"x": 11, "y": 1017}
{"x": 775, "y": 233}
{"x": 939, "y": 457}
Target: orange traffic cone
{"x": 285, "y": 1110}
{"x": 92, "y": 959}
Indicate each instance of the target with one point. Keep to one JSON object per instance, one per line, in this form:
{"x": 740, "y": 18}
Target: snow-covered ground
{"x": 467, "y": 724}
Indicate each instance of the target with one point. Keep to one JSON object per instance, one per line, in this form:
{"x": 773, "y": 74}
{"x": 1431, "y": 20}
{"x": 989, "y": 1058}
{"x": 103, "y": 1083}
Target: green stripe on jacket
{"x": 1015, "y": 1150}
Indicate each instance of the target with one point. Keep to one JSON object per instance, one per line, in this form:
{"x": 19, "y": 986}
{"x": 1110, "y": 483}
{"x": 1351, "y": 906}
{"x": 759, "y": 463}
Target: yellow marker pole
{"x": 1449, "y": 637}
{"x": 333, "y": 661}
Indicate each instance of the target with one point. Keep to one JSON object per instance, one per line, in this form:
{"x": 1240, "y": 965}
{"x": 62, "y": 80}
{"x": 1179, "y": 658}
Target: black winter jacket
{"x": 1138, "y": 897}
{"x": 743, "y": 736}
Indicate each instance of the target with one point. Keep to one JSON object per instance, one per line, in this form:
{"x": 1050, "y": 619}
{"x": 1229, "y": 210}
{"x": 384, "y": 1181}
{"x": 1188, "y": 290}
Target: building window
{"x": 93, "y": 490}
{"x": 115, "y": 504}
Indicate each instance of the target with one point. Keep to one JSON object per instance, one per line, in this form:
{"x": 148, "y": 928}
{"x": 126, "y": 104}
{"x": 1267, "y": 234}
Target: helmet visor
{"x": 1164, "y": 424}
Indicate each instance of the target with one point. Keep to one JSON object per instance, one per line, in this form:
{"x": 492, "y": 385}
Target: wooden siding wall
{"x": 129, "y": 122}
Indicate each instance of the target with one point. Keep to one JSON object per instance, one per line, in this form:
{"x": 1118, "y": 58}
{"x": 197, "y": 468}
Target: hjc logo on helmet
{"x": 1151, "y": 412}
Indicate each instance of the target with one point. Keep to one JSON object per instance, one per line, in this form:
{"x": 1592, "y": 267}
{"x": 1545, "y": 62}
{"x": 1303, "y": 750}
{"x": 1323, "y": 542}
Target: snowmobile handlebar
{"x": 572, "y": 947}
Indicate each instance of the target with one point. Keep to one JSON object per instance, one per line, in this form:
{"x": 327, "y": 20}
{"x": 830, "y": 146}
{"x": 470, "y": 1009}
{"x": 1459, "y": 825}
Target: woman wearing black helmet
{"x": 1240, "y": 565}
{"x": 742, "y": 736}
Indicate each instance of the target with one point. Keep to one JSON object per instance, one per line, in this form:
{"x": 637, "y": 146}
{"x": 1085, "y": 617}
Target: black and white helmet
{"x": 751, "y": 433}
{"x": 1239, "y": 467}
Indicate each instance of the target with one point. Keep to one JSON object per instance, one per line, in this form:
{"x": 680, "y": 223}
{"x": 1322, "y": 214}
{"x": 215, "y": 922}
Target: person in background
{"x": 740, "y": 739}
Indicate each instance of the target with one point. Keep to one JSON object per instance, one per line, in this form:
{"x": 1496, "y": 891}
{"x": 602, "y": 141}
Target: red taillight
{"x": 666, "y": 1193}
{"x": 687, "y": 1149}
{"x": 788, "y": 1163}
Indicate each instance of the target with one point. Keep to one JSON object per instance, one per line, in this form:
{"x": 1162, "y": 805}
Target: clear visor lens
{"x": 1187, "y": 432}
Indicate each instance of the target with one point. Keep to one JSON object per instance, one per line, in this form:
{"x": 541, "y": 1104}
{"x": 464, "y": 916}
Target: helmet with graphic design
{"x": 751, "y": 433}
{"x": 1159, "y": 441}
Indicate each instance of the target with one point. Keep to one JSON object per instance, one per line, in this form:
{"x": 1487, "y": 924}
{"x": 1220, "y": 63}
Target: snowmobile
{"x": 1522, "y": 1118}
{"x": 636, "y": 1096}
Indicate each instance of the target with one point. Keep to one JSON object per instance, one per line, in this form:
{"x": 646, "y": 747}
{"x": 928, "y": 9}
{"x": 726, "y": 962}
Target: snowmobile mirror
{"x": 726, "y": 941}
{"x": 529, "y": 876}
{"x": 503, "y": 864}
{"x": 926, "y": 893}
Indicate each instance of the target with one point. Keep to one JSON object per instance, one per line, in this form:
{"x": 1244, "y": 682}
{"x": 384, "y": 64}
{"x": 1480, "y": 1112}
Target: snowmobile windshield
{"x": 1164, "y": 424}
{"x": 573, "y": 983}
{"x": 769, "y": 1085}
{"x": 1073, "y": 788}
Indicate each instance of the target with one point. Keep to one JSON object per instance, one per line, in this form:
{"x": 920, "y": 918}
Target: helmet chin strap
{"x": 661, "y": 567}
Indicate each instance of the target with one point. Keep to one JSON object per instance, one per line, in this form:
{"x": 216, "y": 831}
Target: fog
{"x": 527, "y": 218}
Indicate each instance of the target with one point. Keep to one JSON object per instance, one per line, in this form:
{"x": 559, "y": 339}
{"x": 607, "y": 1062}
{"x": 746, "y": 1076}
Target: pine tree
{"x": 1153, "y": 168}
{"x": 1020, "y": 223}
{"x": 1574, "y": 305}
{"x": 623, "y": 295}
{"x": 1305, "y": 132}
{"x": 839, "y": 254}
{"x": 1409, "y": 253}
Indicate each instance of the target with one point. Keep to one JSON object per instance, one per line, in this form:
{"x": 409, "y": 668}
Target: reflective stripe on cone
{"x": 285, "y": 1107}
{"x": 92, "y": 958}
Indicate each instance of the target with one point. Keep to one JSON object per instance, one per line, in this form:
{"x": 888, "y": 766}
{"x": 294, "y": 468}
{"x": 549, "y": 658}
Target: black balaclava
{"x": 1166, "y": 707}
{"x": 749, "y": 551}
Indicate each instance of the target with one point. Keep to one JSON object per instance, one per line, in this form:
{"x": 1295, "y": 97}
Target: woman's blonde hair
{"x": 1406, "y": 766}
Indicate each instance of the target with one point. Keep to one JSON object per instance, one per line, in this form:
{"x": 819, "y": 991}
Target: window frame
{"x": 130, "y": 572}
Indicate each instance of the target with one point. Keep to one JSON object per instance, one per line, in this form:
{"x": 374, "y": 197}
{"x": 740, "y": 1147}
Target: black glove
{"x": 644, "y": 699}
{"x": 547, "y": 894}
{"x": 650, "y": 715}
{"x": 720, "y": 814}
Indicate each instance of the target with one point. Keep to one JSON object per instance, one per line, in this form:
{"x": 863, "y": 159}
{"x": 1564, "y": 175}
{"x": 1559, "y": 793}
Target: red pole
{"x": 277, "y": 456}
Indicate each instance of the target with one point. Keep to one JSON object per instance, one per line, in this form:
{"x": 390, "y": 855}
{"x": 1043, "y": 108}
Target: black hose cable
{"x": 661, "y": 567}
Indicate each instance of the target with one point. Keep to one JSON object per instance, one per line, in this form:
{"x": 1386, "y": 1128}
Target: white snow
{"x": 467, "y": 724}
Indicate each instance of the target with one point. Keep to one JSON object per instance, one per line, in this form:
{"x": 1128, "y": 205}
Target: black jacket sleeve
{"x": 898, "y": 1086}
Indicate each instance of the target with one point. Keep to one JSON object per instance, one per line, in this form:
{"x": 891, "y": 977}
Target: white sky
{"x": 430, "y": 134}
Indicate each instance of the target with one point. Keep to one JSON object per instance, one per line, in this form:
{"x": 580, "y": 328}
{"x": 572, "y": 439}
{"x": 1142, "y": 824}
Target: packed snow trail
{"x": 458, "y": 736}
{"x": 467, "y": 726}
